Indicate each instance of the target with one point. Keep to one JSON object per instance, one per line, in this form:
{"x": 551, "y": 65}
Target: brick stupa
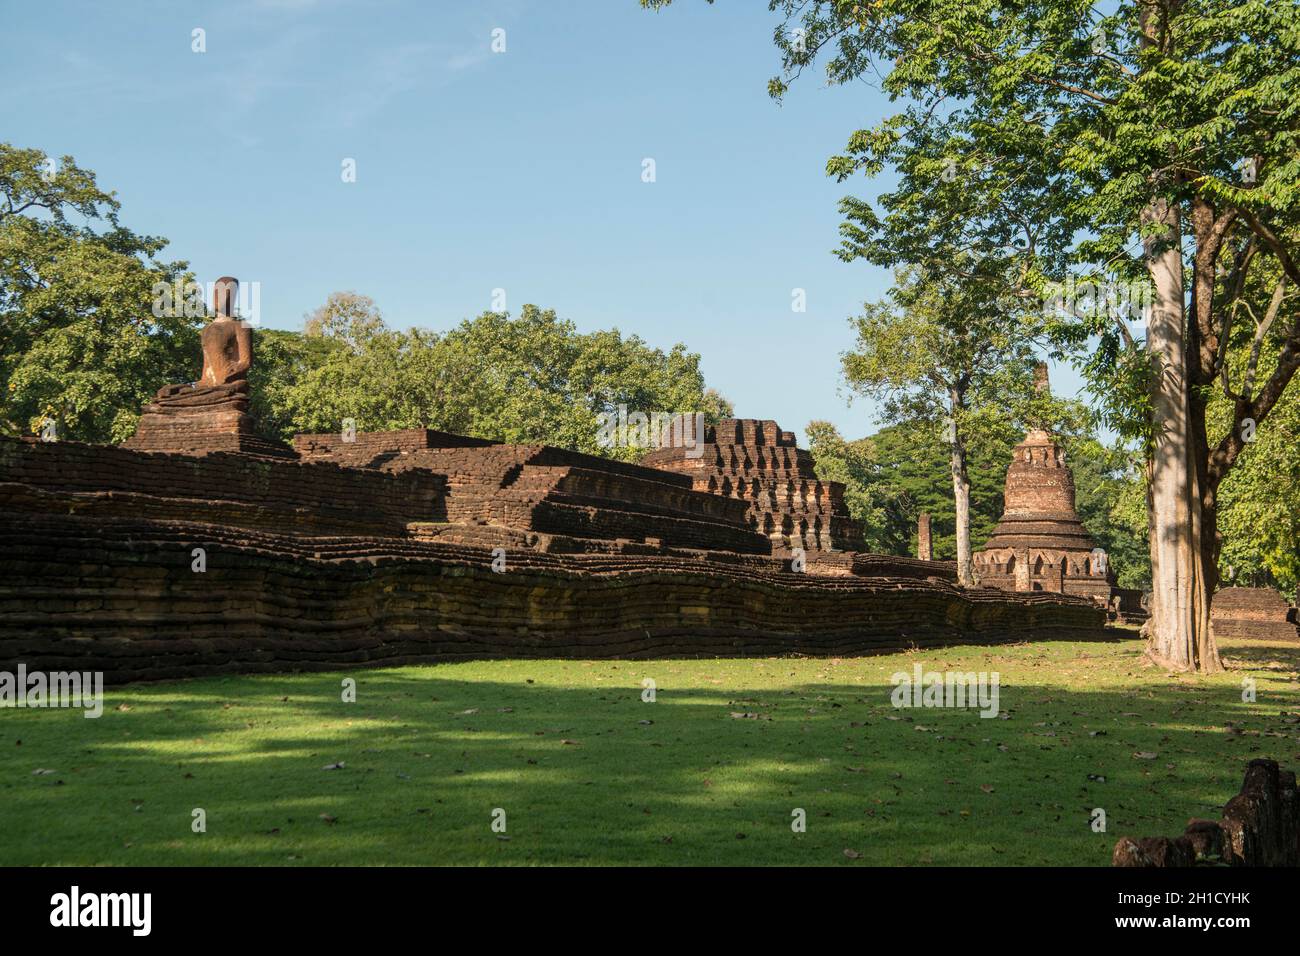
{"x": 1040, "y": 544}
{"x": 755, "y": 461}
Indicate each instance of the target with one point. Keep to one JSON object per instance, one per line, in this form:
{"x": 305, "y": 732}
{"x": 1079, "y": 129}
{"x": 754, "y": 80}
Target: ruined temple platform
{"x": 193, "y": 420}
{"x": 757, "y": 463}
{"x": 413, "y": 546}
{"x": 1258, "y": 613}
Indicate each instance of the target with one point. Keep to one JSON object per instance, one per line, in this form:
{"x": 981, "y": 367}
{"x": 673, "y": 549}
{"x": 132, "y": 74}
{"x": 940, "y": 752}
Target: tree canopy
{"x": 531, "y": 378}
{"x": 81, "y": 345}
{"x": 1150, "y": 147}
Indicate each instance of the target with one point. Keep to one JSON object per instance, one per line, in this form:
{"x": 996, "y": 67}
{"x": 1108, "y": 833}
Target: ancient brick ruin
{"x": 550, "y": 498}
{"x": 757, "y": 463}
{"x": 211, "y": 414}
{"x": 924, "y": 537}
{"x": 1040, "y": 544}
{"x": 200, "y": 547}
{"x": 1260, "y": 826}
{"x": 1260, "y": 613}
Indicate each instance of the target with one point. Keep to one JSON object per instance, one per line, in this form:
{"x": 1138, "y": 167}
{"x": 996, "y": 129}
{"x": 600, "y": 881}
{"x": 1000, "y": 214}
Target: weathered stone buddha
{"x": 227, "y": 354}
{"x": 227, "y": 342}
{"x": 212, "y": 413}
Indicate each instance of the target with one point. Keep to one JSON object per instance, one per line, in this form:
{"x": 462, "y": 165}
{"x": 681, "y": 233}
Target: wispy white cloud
{"x": 406, "y": 68}
{"x": 260, "y": 51}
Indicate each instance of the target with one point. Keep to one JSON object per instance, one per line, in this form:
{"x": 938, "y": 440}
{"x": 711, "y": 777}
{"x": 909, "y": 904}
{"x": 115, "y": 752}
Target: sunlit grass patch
{"x": 585, "y": 770}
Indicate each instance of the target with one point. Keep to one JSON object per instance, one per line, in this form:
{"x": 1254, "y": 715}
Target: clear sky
{"x": 477, "y": 170}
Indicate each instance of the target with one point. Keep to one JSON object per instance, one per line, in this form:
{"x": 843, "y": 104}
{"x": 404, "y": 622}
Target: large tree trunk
{"x": 1178, "y": 633}
{"x": 960, "y": 495}
{"x": 1205, "y": 522}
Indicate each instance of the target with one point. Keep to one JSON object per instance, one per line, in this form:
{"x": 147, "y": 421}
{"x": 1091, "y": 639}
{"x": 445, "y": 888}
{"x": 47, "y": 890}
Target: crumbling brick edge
{"x": 1260, "y": 827}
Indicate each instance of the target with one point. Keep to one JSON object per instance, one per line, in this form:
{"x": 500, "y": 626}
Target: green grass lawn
{"x": 587, "y": 772}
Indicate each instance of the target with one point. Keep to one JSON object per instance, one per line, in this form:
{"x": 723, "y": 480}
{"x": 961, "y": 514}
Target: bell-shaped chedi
{"x": 1040, "y": 544}
{"x": 210, "y": 414}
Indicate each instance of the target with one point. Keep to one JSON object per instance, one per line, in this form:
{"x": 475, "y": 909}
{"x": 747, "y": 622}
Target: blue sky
{"x": 478, "y": 170}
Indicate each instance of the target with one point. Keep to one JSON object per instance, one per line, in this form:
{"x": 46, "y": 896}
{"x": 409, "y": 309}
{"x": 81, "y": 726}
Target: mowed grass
{"x": 589, "y": 773}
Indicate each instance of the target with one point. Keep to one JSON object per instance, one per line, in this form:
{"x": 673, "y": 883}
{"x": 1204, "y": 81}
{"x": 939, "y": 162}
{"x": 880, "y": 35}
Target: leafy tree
{"x": 1259, "y": 501}
{"x": 81, "y": 345}
{"x": 944, "y": 351}
{"x": 1153, "y": 143}
{"x": 1110, "y": 497}
{"x": 902, "y": 470}
{"x": 282, "y": 362}
{"x": 347, "y": 364}
{"x": 534, "y": 378}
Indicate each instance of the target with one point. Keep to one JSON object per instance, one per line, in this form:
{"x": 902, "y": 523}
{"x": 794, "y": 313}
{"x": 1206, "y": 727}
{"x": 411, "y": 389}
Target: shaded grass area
{"x": 588, "y": 772}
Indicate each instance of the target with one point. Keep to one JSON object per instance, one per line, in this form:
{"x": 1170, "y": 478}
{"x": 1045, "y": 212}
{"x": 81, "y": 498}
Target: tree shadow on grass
{"x": 712, "y": 772}
{"x": 1271, "y": 655}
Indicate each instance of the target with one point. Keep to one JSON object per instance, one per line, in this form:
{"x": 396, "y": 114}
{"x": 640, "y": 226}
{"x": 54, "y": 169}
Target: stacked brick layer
{"x": 197, "y": 421}
{"x": 121, "y": 596}
{"x": 96, "y": 572}
{"x": 540, "y": 489}
{"x": 1260, "y": 613}
{"x": 371, "y": 449}
{"x": 757, "y": 463}
{"x": 311, "y": 497}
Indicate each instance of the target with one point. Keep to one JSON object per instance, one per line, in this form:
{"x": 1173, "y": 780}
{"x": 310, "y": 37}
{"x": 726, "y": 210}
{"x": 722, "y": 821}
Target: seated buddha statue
{"x": 227, "y": 353}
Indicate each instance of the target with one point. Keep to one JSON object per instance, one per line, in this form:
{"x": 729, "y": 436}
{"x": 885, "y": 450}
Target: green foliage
{"x": 1110, "y": 497}
{"x": 80, "y": 344}
{"x": 937, "y": 346}
{"x": 902, "y": 470}
{"x": 533, "y": 378}
{"x": 1259, "y": 501}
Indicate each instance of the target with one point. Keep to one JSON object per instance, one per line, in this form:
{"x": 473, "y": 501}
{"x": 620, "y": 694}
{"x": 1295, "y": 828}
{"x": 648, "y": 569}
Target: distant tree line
{"x": 903, "y": 470}
{"x": 529, "y": 378}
